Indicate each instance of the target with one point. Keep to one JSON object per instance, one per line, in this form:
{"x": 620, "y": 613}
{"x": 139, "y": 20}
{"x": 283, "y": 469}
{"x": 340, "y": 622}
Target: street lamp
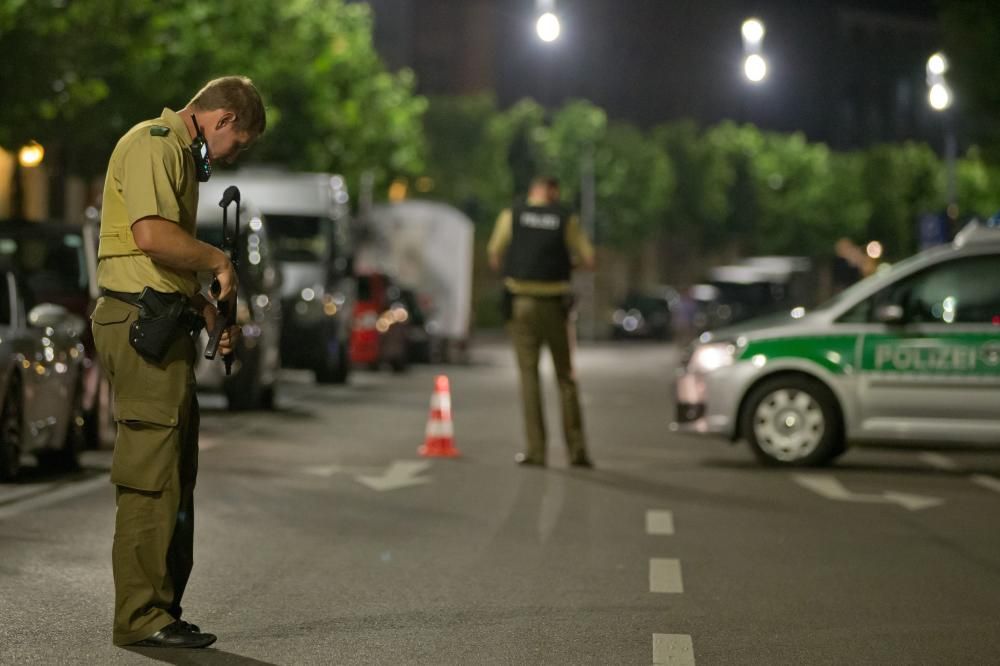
{"x": 754, "y": 64}
{"x": 755, "y": 67}
{"x": 753, "y": 31}
{"x": 31, "y": 155}
{"x": 940, "y": 98}
{"x": 547, "y": 26}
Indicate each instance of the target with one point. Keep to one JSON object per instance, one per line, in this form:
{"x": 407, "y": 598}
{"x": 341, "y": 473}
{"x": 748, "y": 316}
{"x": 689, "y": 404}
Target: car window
{"x": 300, "y": 237}
{"x": 54, "y": 267}
{"x": 962, "y": 291}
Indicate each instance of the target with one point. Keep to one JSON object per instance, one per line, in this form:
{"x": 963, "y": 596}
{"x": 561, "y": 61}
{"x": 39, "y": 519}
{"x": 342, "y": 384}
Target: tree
{"x": 77, "y": 74}
{"x": 978, "y": 185}
{"x": 699, "y": 207}
{"x": 635, "y": 181}
{"x": 972, "y": 43}
{"x": 900, "y": 182}
{"x": 458, "y": 150}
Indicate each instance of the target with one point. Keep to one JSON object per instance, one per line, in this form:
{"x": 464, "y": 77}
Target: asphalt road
{"x": 323, "y": 538}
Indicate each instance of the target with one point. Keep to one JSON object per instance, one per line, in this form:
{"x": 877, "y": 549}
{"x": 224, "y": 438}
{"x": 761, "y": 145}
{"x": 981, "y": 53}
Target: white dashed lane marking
{"x": 659, "y": 523}
{"x": 67, "y": 492}
{"x": 988, "y": 482}
{"x": 939, "y": 461}
{"x": 673, "y": 649}
{"x": 665, "y": 576}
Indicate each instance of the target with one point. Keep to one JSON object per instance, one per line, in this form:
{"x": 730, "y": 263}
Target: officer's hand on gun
{"x": 227, "y": 281}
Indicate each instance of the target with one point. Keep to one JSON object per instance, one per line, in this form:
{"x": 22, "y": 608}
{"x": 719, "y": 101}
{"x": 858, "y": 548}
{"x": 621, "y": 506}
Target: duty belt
{"x": 132, "y": 298}
{"x": 128, "y": 297}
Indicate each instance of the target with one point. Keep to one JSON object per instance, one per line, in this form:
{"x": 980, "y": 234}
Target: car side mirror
{"x": 890, "y": 314}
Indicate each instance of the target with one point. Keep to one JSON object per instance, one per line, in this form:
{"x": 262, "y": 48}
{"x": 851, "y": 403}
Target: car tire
{"x": 100, "y": 428}
{"x": 267, "y": 397}
{"x": 11, "y": 431}
{"x": 335, "y": 370}
{"x": 66, "y": 458}
{"x": 793, "y": 421}
{"x": 244, "y": 391}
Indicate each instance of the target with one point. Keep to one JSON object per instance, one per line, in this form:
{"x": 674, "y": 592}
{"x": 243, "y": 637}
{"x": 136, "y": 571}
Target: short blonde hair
{"x": 236, "y": 94}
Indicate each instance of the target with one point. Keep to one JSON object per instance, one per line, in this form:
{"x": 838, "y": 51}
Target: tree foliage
{"x": 900, "y": 182}
{"x": 77, "y": 74}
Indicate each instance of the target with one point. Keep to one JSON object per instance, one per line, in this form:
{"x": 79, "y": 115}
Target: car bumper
{"x": 709, "y": 403}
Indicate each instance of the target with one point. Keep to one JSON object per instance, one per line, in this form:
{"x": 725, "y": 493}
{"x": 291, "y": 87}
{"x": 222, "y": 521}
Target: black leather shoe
{"x": 190, "y": 627}
{"x": 177, "y": 635}
{"x": 582, "y": 462}
{"x": 523, "y": 459}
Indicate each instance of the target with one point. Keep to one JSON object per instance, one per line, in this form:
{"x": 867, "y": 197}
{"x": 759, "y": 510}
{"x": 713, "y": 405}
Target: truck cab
{"x": 308, "y": 221}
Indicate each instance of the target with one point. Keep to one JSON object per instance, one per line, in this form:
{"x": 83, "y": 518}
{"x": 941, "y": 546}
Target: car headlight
{"x": 710, "y": 357}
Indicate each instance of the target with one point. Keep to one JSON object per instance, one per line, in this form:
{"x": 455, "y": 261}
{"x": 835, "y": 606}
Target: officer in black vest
{"x": 537, "y": 243}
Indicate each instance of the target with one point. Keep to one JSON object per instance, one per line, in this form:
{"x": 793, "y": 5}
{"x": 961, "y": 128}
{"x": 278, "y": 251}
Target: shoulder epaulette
{"x": 159, "y": 130}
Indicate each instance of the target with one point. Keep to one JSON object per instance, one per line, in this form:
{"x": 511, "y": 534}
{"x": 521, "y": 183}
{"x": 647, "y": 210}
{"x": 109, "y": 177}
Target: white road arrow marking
{"x": 323, "y": 470}
{"x": 831, "y": 488}
{"x": 401, "y": 473}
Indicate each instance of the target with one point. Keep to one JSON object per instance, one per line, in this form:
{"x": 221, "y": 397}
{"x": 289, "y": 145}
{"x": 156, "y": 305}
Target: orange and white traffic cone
{"x": 439, "y": 439}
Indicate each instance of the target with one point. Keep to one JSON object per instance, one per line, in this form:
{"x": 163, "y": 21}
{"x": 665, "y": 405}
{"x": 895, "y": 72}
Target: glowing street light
{"x": 753, "y": 31}
{"x": 31, "y": 155}
{"x": 755, "y": 67}
{"x": 937, "y": 64}
{"x": 939, "y": 96}
{"x": 548, "y": 27}
{"x": 754, "y": 64}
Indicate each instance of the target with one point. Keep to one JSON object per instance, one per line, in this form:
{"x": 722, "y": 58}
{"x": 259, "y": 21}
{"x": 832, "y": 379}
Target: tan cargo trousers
{"x": 537, "y": 321}
{"x": 154, "y": 468}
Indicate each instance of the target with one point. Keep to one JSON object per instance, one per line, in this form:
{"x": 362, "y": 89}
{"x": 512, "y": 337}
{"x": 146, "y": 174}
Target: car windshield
{"x": 299, "y": 237}
{"x": 880, "y": 277}
{"x": 54, "y": 267}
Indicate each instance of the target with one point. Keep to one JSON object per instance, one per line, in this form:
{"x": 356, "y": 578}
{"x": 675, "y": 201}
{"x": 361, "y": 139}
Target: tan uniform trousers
{"x": 537, "y": 321}
{"x": 154, "y": 468}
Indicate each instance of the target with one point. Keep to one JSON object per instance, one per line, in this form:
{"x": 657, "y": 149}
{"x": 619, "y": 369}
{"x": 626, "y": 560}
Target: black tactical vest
{"x": 538, "y": 249}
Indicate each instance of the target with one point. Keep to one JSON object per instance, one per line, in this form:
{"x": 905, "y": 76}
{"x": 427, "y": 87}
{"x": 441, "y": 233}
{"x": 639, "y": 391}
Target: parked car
{"x": 911, "y": 353}
{"x": 58, "y": 263}
{"x": 254, "y": 379}
{"x": 645, "y": 314}
{"x": 41, "y": 379}
{"x": 380, "y": 328}
{"x": 753, "y": 287}
{"x": 307, "y": 216}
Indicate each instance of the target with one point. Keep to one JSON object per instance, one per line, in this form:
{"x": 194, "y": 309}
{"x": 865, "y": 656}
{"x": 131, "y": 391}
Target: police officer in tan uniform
{"x": 147, "y": 242}
{"x": 537, "y": 243}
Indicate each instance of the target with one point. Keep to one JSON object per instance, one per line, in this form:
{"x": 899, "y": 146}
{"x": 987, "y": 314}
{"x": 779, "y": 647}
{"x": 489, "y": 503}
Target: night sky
{"x": 649, "y": 61}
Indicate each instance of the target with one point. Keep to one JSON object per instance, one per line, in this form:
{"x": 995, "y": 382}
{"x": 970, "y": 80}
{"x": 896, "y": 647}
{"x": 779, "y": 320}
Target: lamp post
{"x": 940, "y": 98}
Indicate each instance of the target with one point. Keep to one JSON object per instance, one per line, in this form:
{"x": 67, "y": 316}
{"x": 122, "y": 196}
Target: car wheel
{"x": 66, "y": 458}
{"x": 99, "y": 422}
{"x": 335, "y": 369}
{"x": 11, "y": 431}
{"x": 267, "y": 397}
{"x": 793, "y": 421}
{"x": 243, "y": 391}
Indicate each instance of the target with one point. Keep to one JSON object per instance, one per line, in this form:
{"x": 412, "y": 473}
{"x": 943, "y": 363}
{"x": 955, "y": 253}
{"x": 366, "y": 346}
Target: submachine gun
{"x": 226, "y": 316}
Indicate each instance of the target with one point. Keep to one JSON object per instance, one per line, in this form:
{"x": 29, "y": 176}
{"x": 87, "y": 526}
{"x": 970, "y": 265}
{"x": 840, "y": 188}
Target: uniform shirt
{"x": 579, "y": 247}
{"x": 151, "y": 172}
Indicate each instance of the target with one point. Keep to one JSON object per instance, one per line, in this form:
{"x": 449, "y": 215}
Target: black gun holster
{"x": 162, "y": 318}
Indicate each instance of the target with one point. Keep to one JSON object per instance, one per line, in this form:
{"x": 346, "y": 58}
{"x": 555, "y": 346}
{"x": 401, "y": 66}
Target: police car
{"x": 910, "y": 354}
